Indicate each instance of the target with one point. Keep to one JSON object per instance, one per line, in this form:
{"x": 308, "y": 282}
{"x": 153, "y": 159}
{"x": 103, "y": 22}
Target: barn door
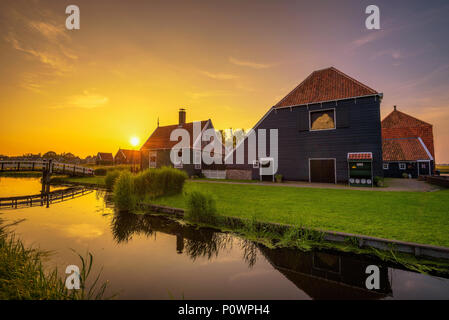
{"x": 322, "y": 170}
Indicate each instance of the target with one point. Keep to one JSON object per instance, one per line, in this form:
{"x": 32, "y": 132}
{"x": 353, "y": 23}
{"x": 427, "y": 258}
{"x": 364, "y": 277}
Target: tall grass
{"x": 124, "y": 197}
{"x": 201, "y": 207}
{"x": 151, "y": 183}
{"x": 110, "y": 178}
{"x": 23, "y": 277}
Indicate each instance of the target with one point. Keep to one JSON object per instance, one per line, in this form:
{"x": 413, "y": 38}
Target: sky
{"x": 132, "y": 62}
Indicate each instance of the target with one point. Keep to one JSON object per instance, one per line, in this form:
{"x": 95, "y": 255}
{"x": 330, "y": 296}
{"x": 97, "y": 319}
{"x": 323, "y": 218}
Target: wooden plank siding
{"x": 358, "y": 130}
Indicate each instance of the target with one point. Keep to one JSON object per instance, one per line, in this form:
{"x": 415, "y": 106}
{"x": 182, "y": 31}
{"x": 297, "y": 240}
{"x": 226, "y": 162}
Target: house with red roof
{"x": 155, "y": 152}
{"x": 124, "y": 156}
{"x": 104, "y": 158}
{"x": 326, "y": 124}
{"x": 408, "y": 146}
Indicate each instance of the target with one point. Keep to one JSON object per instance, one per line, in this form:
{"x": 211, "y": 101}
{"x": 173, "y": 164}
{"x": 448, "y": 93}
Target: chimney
{"x": 182, "y": 116}
{"x": 394, "y": 108}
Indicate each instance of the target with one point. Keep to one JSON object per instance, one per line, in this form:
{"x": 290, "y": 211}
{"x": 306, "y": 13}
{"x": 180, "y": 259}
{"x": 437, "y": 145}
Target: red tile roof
{"x": 360, "y": 156}
{"x": 105, "y": 156}
{"x": 401, "y": 125}
{"x": 404, "y": 149}
{"x": 398, "y": 119}
{"x": 325, "y": 85}
{"x": 160, "y": 138}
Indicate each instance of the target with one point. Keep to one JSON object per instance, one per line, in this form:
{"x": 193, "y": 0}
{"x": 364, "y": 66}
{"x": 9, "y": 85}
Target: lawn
{"x": 421, "y": 217}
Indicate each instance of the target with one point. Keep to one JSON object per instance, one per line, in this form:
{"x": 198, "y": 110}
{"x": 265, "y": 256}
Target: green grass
{"x": 96, "y": 180}
{"x": 420, "y": 217}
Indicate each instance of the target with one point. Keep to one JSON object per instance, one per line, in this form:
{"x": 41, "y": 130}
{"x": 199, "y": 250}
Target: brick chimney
{"x": 182, "y": 116}
{"x": 394, "y": 108}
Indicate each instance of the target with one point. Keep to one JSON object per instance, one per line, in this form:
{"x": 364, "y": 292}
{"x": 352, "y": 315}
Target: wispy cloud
{"x": 370, "y": 37}
{"x": 86, "y": 100}
{"x": 49, "y": 31}
{"x": 219, "y": 76}
{"x": 250, "y": 64}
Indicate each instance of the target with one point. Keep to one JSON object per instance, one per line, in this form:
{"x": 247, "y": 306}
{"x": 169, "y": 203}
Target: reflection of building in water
{"x": 179, "y": 243}
{"x": 325, "y": 275}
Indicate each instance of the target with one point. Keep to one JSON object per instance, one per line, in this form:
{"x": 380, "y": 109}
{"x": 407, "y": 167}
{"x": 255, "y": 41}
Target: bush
{"x": 278, "y": 177}
{"x": 100, "y": 172}
{"x": 201, "y": 207}
{"x": 124, "y": 196}
{"x": 110, "y": 179}
{"x": 160, "y": 182}
{"x": 378, "y": 181}
{"x": 405, "y": 175}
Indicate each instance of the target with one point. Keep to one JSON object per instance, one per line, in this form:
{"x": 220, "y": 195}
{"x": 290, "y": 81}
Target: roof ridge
{"x": 352, "y": 79}
{"x": 407, "y": 115}
{"x": 299, "y": 85}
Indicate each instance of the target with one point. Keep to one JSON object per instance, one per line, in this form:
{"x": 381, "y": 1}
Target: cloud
{"x": 249, "y": 64}
{"x": 219, "y": 76}
{"x": 86, "y": 100}
{"x": 48, "y": 30}
{"x": 370, "y": 37}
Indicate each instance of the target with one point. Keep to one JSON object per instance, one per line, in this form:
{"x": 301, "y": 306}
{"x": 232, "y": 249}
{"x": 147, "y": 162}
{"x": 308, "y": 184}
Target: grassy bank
{"x": 94, "y": 181}
{"x": 408, "y": 216}
{"x": 19, "y": 174}
{"x": 23, "y": 277}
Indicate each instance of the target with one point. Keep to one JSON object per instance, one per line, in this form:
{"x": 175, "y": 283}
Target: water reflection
{"x": 194, "y": 242}
{"x": 320, "y": 274}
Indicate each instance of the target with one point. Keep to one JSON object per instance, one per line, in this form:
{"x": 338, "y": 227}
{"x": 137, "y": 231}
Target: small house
{"x": 104, "y": 158}
{"x": 124, "y": 156}
{"x": 408, "y": 146}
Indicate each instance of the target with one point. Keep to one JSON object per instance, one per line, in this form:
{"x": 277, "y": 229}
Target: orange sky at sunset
{"x": 93, "y": 89}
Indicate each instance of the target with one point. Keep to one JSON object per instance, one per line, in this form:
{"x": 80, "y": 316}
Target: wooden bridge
{"x": 45, "y": 166}
{"x": 42, "y": 199}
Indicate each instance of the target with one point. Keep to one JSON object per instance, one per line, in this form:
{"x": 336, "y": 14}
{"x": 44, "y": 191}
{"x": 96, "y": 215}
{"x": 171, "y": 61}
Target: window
{"x": 198, "y": 166}
{"x": 322, "y": 120}
{"x": 152, "y": 160}
{"x": 386, "y": 166}
{"x": 402, "y": 166}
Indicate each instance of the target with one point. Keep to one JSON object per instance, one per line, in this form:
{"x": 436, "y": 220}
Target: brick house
{"x": 155, "y": 152}
{"x": 408, "y": 146}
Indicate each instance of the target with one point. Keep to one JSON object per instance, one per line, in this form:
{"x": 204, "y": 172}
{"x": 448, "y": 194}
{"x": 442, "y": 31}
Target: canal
{"x": 152, "y": 257}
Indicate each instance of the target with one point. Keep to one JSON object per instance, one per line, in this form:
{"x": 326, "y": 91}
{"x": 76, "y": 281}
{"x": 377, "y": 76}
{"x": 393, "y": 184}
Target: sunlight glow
{"x": 134, "y": 141}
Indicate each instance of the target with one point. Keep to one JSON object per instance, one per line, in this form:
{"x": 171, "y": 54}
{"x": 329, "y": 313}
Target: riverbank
{"x": 419, "y": 217}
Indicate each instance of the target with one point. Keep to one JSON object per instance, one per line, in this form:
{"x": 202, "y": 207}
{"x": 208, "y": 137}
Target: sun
{"x": 134, "y": 141}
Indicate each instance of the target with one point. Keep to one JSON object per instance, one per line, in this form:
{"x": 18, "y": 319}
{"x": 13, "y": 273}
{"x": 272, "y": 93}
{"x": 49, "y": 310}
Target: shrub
{"x": 405, "y": 175}
{"x": 124, "y": 196}
{"x": 160, "y": 182}
{"x": 278, "y": 177}
{"x": 201, "y": 207}
{"x": 100, "y": 172}
{"x": 111, "y": 177}
{"x": 379, "y": 181}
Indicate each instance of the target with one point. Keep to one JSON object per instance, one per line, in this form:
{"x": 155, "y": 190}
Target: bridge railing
{"x": 40, "y": 165}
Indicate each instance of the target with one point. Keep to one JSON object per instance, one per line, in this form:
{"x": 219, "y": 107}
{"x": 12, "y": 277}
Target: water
{"x": 150, "y": 257}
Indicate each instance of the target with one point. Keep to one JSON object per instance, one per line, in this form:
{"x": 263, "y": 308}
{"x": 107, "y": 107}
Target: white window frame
{"x": 322, "y": 110}
{"x": 386, "y": 166}
{"x": 402, "y": 166}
